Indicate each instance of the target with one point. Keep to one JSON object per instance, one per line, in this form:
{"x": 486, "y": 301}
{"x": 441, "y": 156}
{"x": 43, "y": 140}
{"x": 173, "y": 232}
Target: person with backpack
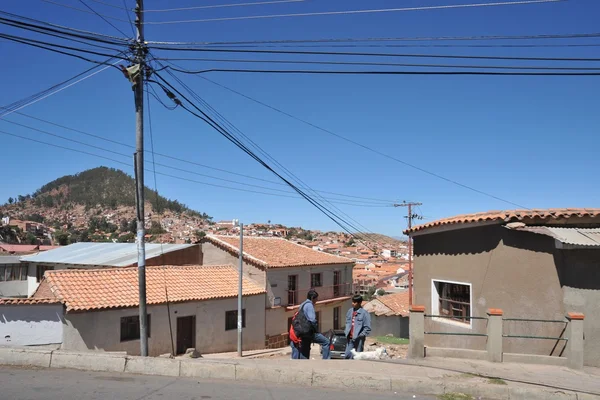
{"x": 358, "y": 326}
{"x": 303, "y": 331}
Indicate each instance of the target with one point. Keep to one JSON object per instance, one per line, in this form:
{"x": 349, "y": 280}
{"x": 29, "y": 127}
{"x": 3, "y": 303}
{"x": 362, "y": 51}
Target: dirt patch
{"x": 393, "y": 350}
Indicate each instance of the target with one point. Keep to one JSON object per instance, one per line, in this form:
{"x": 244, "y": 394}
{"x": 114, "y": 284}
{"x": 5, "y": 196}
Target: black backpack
{"x": 302, "y": 326}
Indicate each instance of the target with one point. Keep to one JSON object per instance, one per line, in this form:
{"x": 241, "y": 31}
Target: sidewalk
{"x": 586, "y": 381}
{"x": 479, "y": 380}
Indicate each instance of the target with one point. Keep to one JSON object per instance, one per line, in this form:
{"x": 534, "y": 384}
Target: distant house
{"x": 288, "y": 271}
{"x": 13, "y": 277}
{"x": 188, "y": 307}
{"x": 106, "y": 255}
{"x": 532, "y": 264}
{"x": 389, "y": 315}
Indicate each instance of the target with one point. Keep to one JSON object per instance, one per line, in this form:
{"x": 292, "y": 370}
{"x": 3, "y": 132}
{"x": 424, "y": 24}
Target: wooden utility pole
{"x": 410, "y": 217}
{"x": 138, "y": 87}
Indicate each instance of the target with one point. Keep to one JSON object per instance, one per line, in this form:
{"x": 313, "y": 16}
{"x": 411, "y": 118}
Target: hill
{"x": 99, "y": 205}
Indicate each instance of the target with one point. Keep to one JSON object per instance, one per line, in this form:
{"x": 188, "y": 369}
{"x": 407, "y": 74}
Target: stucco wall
{"x": 514, "y": 271}
{"x": 25, "y": 325}
{"x": 212, "y": 255}
{"x": 277, "y": 318}
{"x": 384, "y": 325}
{"x": 278, "y": 281}
{"x": 13, "y": 289}
{"x": 100, "y": 330}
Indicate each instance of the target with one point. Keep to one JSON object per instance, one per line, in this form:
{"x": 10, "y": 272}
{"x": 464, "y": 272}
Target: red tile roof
{"x": 82, "y": 290}
{"x": 397, "y": 304}
{"x": 18, "y": 248}
{"x": 547, "y": 215}
{"x": 15, "y": 301}
{"x": 275, "y": 252}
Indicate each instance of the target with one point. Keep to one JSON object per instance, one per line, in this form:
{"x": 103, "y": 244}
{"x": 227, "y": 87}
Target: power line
{"x": 326, "y": 72}
{"x": 379, "y": 64}
{"x": 364, "y": 54}
{"x": 83, "y": 11}
{"x": 104, "y": 18}
{"x": 195, "y": 163}
{"x": 79, "y": 31}
{"x": 347, "y": 202}
{"x": 111, "y": 5}
{"x": 203, "y": 116}
{"x": 348, "y": 12}
{"x": 226, "y": 5}
{"x": 360, "y": 144}
{"x": 129, "y": 19}
{"x": 44, "y": 94}
{"x": 287, "y": 171}
{"x": 158, "y": 173}
{"x": 391, "y": 39}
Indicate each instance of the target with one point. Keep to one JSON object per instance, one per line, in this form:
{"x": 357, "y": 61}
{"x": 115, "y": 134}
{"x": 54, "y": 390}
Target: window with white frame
{"x": 452, "y": 300}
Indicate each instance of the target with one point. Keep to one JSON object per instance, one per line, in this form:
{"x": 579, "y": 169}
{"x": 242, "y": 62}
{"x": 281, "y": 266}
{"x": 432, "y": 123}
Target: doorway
{"x": 186, "y": 333}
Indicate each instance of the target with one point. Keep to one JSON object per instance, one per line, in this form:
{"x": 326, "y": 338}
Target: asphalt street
{"x": 38, "y": 384}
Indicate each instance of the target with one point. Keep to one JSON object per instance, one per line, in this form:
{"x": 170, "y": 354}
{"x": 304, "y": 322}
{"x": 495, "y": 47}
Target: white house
{"x": 188, "y": 307}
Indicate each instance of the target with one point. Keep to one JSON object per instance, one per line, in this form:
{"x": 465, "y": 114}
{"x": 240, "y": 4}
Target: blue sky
{"x": 529, "y": 140}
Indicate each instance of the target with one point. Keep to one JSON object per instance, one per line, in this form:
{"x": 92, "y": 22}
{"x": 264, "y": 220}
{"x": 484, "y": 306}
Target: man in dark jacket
{"x": 358, "y": 326}
{"x": 301, "y": 345}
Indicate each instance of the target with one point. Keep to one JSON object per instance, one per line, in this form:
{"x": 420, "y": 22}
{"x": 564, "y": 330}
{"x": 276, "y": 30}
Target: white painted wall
{"x": 13, "y": 289}
{"x": 101, "y": 330}
{"x": 25, "y": 324}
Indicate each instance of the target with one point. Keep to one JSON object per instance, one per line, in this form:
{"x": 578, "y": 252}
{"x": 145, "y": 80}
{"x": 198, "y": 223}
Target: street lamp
{"x": 236, "y": 222}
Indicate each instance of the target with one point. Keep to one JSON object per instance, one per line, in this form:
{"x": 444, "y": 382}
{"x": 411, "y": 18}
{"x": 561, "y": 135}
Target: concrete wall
{"x": 514, "y": 271}
{"x": 13, "y": 289}
{"x": 25, "y": 324}
{"x": 100, "y": 330}
{"x": 384, "y": 325}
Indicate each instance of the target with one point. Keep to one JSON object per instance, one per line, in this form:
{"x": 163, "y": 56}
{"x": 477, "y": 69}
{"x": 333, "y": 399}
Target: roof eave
{"x": 414, "y": 232}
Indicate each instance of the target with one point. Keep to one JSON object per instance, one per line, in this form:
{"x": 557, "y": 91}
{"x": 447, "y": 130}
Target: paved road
{"x": 38, "y": 384}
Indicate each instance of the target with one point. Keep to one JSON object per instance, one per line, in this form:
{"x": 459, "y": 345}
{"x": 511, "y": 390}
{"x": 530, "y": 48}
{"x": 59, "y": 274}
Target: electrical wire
{"x": 133, "y": 35}
{"x": 364, "y": 54}
{"x": 390, "y": 39}
{"x": 326, "y": 72}
{"x": 103, "y": 17}
{"x": 79, "y": 31}
{"x": 348, "y": 12}
{"x": 80, "y": 10}
{"x": 365, "y": 147}
{"x": 289, "y": 173}
{"x": 372, "y": 200}
{"x": 111, "y": 5}
{"x": 31, "y": 42}
{"x": 225, "y": 5}
{"x": 348, "y": 227}
{"x": 15, "y": 106}
{"x": 378, "y": 64}
{"x": 346, "y": 202}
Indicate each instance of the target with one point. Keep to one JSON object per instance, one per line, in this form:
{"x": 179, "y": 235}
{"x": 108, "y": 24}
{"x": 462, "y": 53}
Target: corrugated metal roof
{"x": 10, "y": 259}
{"x": 589, "y": 237}
{"x": 102, "y": 254}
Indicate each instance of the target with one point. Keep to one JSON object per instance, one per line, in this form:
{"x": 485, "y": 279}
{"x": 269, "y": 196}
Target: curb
{"x": 251, "y": 372}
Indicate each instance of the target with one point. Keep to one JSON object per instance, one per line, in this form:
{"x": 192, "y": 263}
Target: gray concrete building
{"x": 531, "y": 264}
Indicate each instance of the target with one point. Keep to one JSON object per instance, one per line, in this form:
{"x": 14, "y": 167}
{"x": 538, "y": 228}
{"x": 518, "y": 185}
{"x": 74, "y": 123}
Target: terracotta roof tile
{"x": 95, "y": 289}
{"x": 275, "y": 252}
{"x": 397, "y": 303}
{"x": 513, "y": 216}
{"x": 18, "y": 248}
{"x": 15, "y": 301}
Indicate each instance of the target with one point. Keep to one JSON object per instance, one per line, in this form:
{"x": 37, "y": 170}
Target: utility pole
{"x": 138, "y": 87}
{"x": 410, "y": 217}
{"x": 240, "y": 313}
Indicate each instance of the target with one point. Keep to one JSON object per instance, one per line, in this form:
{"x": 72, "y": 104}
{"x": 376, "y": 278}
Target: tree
{"x": 61, "y": 237}
{"x": 350, "y": 242}
{"x": 31, "y": 239}
{"x": 156, "y": 228}
{"x": 11, "y": 200}
{"x": 380, "y": 292}
{"x": 199, "y": 234}
{"x": 369, "y": 295}
{"x": 21, "y": 198}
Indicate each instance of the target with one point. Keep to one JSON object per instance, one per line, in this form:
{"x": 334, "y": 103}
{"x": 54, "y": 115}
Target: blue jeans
{"x": 319, "y": 338}
{"x": 358, "y": 344}
{"x": 296, "y": 354}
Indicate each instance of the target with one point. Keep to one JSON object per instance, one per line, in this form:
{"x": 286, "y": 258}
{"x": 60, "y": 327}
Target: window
{"x": 231, "y": 319}
{"x": 13, "y": 273}
{"x": 41, "y": 269}
{"x": 454, "y": 300}
{"x": 130, "y": 328}
{"x": 315, "y": 280}
{"x": 336, "y": 317}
